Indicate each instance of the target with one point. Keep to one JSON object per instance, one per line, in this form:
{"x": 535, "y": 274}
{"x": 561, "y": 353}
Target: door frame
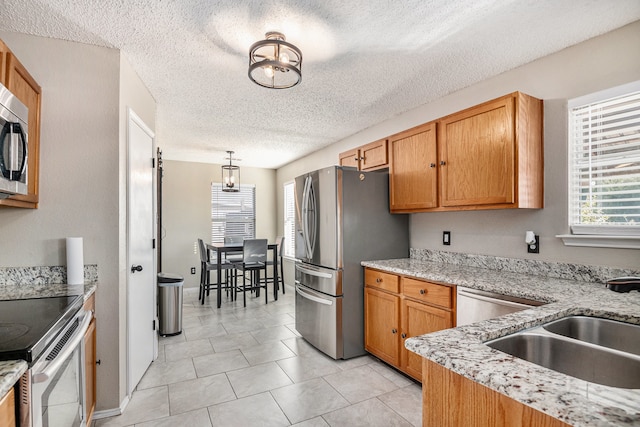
{"x": 133, "y": 117}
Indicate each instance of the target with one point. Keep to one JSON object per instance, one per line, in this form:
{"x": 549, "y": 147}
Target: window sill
{"x": 600, "y": 241}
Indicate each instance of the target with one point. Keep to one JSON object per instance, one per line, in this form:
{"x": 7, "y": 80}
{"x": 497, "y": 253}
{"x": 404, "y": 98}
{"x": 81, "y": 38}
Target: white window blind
{"x": 289, "y": 219}
{"x": 605, "y": 165}
{"x": 232, "y": 214}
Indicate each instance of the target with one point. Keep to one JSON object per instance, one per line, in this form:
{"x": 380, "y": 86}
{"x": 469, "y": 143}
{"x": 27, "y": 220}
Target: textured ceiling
{"x": 364, "y": 61}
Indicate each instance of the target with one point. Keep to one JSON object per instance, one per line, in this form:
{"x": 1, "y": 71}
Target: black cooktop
{"x": 27, "y": 326}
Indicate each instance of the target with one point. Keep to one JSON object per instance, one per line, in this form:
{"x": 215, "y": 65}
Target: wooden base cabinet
{"x": 19, "y": 82}
{"x": 8, "y": 409}
{"x": 397, "y": 308}
{"x": 90, "y": 361}
{"x": 451, "y": 400}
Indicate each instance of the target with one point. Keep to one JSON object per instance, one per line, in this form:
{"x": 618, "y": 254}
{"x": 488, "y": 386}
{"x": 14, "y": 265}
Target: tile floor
{"x": 237, "y": 366}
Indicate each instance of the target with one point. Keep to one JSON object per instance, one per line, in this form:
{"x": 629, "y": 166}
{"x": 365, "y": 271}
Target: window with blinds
{"x": 233, "y": 214}
{"x": 289, "y": 219}
{"x": 604, "y": 165}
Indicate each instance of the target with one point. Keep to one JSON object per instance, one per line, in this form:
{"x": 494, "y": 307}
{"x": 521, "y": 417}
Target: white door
{"x": 141, "y": 270}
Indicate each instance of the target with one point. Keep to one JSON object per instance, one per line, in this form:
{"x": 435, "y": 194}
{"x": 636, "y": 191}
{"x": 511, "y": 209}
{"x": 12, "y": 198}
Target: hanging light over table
{"x": 275, "y": 63}
{"x": 230, "y": 175}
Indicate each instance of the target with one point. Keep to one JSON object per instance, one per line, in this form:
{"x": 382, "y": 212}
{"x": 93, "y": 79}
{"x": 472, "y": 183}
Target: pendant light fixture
{"x": 274, "y": 63}
{"x": 231, "y": 175}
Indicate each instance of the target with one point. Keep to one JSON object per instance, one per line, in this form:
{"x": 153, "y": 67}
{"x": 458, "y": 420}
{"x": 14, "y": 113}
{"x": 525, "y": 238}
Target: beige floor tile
{"x": 308, "y": 399}
{"x": 369, "y": 413}
{"x": 145, "y": 405}
{"x": 199, "y": 418}
{"x": 257, "y": 410}
{"x": 360, "y": 383}
{"x": 257, "y": 379}
{"x": 189, "y": 395}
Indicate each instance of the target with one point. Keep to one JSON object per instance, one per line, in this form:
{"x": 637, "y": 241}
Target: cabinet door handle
{"x": 442, "y": 163}
{"x": 422, "y": 291}
{"x": 356, "y": 159}
{"x": 394, "y": 331}
{"x": 378, "y": 280}
{"x": 403, "y": 335}
{"x": 432, "y": 165}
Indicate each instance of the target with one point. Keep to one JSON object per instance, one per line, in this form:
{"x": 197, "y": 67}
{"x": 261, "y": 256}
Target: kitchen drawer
{"x": 385, "y": 281}
{"x": 428, "y": 292}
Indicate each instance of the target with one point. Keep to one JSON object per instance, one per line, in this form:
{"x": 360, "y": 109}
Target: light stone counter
{"x": 462, "y": 349}
{"x": 10, "y": 373}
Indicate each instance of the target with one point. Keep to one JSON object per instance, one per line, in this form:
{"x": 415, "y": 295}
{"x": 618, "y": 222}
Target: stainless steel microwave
{"x": 14, "y": 117}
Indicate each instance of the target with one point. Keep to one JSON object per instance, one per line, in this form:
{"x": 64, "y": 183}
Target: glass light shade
{"x": 275, "y": 63}
{"x": 230, "y": 176}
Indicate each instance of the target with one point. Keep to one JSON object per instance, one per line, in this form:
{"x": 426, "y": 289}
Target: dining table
{"x": 236, "y": 248}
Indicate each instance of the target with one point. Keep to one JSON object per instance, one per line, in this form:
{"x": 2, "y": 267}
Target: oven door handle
{"x": 67, "y": 350}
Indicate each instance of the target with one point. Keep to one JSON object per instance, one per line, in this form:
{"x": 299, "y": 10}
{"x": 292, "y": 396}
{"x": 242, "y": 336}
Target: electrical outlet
{"x": 446, "y": 238}
{"x": 534, "y": 248}
{"x": 193, "y": 270}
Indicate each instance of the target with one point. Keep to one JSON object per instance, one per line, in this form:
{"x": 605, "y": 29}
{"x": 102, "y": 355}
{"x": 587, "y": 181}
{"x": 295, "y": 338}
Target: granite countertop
{"x": 11, "y": 370}
{"x": 462, "y": 349}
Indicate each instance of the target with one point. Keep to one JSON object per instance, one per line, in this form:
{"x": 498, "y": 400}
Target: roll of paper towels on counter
{"x": 75, "y": 261}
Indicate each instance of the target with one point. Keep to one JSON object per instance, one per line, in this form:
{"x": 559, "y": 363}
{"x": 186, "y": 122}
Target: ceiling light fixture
{"x": 231, "y": 175}
{"x": 275, "y": 63}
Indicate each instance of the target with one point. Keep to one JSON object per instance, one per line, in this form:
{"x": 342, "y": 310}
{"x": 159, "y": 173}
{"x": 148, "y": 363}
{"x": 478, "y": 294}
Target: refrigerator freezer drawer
{"x": 325, "y": 280}
{"x": 319, "y": 320}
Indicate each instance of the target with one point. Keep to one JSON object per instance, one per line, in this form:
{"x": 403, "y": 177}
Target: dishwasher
{"x": 474, "y": 305}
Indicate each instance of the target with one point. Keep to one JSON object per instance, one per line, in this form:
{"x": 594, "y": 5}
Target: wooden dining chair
{"x": 254, "y": 260}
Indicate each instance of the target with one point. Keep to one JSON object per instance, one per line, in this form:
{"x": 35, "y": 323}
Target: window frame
{"x": 245, "y": 190}
{"x": 289, "y": 219}
{"x": 604, "y": 235}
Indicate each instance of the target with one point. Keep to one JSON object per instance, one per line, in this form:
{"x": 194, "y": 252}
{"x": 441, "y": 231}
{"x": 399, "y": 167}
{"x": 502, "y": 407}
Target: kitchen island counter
{"x": 462, "y": 349}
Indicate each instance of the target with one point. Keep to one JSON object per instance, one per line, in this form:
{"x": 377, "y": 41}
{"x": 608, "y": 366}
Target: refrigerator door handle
{"x": 314, "y": 273}
{"x": 307, "y": 295}
{"x": 309, "y": 217}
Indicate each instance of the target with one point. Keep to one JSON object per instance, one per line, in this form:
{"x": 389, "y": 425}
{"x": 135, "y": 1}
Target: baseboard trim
{"x": 108, "y": 413}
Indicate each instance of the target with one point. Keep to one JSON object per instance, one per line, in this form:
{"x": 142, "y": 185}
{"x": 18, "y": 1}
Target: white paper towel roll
{"x": 75, "y": 261}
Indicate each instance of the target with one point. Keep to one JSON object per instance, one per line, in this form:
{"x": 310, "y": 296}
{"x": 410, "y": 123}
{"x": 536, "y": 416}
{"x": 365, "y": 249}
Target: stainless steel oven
{"x": 53, "y": 389}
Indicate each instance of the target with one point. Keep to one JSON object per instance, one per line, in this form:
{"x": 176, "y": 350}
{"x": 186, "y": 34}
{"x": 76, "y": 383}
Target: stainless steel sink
{"x": 568, "y": 353}
{"x": 608, "y": 333}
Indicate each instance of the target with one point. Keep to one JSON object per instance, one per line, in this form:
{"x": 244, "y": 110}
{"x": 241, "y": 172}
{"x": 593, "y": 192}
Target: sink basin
{"x": 604, "y": 332}
{"x": 592, "y": 349}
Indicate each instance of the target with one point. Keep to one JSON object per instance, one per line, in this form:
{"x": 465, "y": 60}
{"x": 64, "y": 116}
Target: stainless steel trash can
{"x": 170, "y": 303}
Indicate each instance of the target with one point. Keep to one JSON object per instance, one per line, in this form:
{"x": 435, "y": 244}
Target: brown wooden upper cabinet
{"x": 19, "y": 82}
{"x": 486, "y": 157}
{"x": 368, "y": 157}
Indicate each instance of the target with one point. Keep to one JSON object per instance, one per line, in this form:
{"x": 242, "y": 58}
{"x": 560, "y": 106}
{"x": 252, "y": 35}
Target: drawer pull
{"x": 394, "y": 331}
{"x": 403, "y": 335}
{"x": 378, "y": 280}
{"x": 423, "y": 291}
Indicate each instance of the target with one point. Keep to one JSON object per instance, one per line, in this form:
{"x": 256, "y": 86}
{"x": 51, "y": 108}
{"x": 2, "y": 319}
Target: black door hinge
{"x": 154, "y": 325}
{"x": 153, "y": 244}
{"x": 153, "y": 162}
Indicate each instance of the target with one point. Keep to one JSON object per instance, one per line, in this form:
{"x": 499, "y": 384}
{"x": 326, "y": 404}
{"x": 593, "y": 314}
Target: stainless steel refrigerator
{"x": 342, "y": 218}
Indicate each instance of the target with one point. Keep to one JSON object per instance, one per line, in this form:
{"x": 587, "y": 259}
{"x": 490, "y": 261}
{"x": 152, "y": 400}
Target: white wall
{"x": 186, "y": 211}
{"x": 600, "y": 63}
{"x": 82, "y": 192}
